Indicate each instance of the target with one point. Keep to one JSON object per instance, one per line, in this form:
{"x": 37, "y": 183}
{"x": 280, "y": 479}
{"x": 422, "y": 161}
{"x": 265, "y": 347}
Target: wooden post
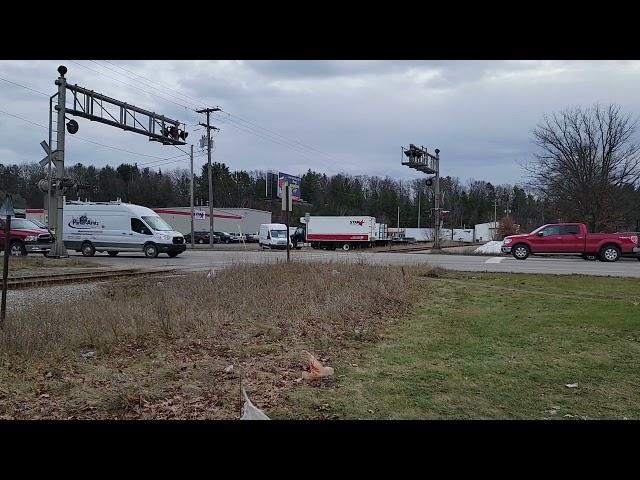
{"x": 5, "y": 271}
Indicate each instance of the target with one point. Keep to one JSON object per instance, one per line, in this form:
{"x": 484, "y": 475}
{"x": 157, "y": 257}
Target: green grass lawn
{"x": 496, "y": 346}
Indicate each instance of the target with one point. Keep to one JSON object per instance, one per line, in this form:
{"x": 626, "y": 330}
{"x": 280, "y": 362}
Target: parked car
{"x": 253, "y": 237}
{"x": 237, "y": 238}
{"x": 201, "y": 237}
{"x": 572, "y": 238}
{"x": 25, "y": 237}
{"x": 224, "y": 237}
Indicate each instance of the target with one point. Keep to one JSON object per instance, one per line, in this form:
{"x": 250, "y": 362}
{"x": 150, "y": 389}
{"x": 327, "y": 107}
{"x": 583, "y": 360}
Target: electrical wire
{"x": 93, "y": 141}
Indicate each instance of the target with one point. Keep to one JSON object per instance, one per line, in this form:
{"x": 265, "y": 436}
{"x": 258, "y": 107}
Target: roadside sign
{"x": 199, "y": 214}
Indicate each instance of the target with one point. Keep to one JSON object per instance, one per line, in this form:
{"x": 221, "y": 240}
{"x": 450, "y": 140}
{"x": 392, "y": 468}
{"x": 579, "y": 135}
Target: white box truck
{"x": 345, "y": 232}
{"x": 113, "y": 227}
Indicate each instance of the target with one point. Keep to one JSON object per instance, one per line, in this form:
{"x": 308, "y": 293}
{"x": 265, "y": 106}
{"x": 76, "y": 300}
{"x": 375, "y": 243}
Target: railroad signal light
{"x": 429, "y": 182}
{"x": 72, "y": 127}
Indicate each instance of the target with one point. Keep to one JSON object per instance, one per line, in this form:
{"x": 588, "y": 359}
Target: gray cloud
{"x": 357, "y": 113}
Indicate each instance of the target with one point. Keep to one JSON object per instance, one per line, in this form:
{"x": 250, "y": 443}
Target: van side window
{"x": 139, "y": 227}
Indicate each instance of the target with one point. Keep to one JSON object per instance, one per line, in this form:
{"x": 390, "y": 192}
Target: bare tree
{"x": 587, "y": 158}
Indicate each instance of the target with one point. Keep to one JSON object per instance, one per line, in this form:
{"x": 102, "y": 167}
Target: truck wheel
{"x": 346, "y": 247}
{"x": 112, "y": 253}
{"x": 87, "y": 249}
{"x": 150, "y": 250}
{"x": 17, "y": 249}
{"x": 610, "y": 253}
{"x": 520, "y": 252}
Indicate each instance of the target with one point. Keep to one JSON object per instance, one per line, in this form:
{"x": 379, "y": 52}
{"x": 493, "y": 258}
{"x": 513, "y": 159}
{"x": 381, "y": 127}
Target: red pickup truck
{"x": 571, "y": 238}
{"x": 26, "y": 237}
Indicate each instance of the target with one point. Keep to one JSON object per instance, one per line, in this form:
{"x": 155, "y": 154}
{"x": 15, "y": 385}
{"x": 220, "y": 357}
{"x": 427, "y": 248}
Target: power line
{"x": 128, "y": 84}
{"x": 274, "y": 133}
{"x": 24, "y": 86}
{"x": 138, "y": 81}
{"x": 93, "y": 141}
{"x": 287, "y": 141}
{"x": 197, "y": 101}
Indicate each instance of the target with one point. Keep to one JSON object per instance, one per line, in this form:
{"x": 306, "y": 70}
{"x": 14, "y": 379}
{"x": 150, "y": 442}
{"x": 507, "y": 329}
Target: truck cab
{"x": 25, "y": 237}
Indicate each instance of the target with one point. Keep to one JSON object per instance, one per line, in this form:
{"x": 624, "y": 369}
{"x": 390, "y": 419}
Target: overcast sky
{"x": 330, "y": 116}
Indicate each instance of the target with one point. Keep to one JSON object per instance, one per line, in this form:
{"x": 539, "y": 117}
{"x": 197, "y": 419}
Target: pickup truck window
{"x": 555, "y": 230}
{"x": 20, "y": 223}
{"x": 570, "y": 230}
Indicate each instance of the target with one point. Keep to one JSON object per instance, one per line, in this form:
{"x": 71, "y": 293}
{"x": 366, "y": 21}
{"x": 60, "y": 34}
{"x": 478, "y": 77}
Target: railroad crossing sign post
{"x": 102, "y": 109}
{"x": 6, "y": 211}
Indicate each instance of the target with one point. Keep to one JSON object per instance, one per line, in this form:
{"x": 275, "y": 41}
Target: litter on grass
{"x": 251, "y": 412}
{"x": 316, "y": 369}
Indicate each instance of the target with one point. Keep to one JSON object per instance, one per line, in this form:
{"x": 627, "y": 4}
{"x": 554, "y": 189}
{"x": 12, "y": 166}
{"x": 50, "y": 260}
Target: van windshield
{"x": 157, "y": 224}
{"x": 278, "y": 234}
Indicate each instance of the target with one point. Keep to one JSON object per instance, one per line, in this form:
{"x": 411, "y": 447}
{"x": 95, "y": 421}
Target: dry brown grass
{"x": 161, "y": 349}
{"x": 40, "y": 262}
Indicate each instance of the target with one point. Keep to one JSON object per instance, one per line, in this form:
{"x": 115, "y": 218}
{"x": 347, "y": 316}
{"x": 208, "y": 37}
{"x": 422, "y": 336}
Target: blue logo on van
{"x": 82, "y": 222}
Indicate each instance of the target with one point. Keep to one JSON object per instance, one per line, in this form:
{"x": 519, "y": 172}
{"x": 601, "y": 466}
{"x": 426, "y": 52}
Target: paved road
{"x": 204, "y": 260}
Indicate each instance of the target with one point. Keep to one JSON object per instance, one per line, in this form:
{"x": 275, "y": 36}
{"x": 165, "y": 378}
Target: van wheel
{"x": 346, "y": 247}
{"x": 17, "y": 249}
{"x": 610, "y": 253}
{"x": 87, "y": 249}
{"x": 112, "y": 253}
{"x": 150, "y": 250}
{"x": 520, "y": 252}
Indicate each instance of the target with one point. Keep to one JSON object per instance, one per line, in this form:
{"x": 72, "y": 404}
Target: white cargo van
{"x": 273, "y": 235}
{"x": 114, "y": 227}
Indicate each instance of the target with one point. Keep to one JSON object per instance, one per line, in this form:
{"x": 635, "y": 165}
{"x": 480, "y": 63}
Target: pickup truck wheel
{"x": 609, "y": 253}
{"x": 346, "y": 247}
{"x": 87, "y": 249}
{"x": 520, "y": 252}
{"x": 17, "y": 249}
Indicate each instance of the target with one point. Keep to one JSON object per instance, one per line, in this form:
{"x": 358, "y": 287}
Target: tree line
{"x": 587, "y": 169}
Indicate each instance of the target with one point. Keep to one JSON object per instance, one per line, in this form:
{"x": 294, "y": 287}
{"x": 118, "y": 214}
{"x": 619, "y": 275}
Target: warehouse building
{"x": 239, "y": 220}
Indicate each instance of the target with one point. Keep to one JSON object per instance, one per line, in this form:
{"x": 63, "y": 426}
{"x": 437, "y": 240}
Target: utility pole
{"x": 436, "y": 244}
{"x": 418, "y": 209}
{"x": 59, "y": 250}
{"x": 208, "y": 126}
{"x": 495, "y": 217}
{"x": 191, "y": 197}
{"x": 398, "y": 232}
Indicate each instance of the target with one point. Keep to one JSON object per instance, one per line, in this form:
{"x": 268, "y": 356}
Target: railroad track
{"x": 403, "y": 250}
{"x": 59, "y": 278}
